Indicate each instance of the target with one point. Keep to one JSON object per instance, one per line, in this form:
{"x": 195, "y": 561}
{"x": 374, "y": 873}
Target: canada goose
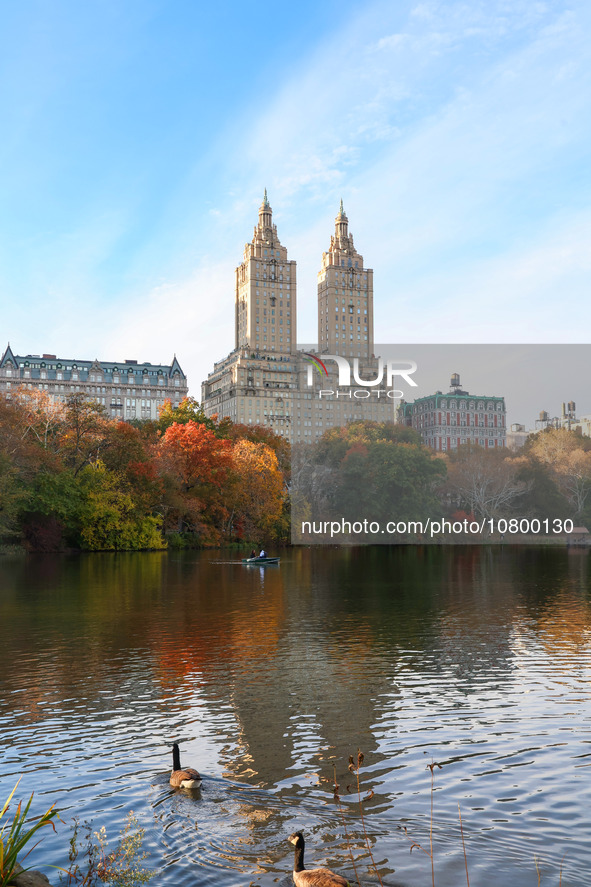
{"x": 187, "y": 778}
{"x": 312, "y": 877}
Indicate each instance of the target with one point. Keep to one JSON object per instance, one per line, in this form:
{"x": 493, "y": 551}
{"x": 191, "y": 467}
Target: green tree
{"x": 189, "y": 410}
{"x": 383, "y": 480}
{"x": 108, "y": 517}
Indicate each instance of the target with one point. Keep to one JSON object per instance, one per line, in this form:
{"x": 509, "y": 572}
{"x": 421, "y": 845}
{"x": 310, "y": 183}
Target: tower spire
{"x": 341, "y": 223}
{"x": 266, "y": 218}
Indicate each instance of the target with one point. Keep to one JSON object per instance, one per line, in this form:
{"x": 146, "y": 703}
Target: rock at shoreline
{"x": 21, "y": 878}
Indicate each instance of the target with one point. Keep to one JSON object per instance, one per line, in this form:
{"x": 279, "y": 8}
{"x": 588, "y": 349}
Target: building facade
{"x": 265, "y": 283}
{"x": 266, "y": 380}
{"x": 345, "y": 297}
{"x": 127, "y": 390}
{"x": 446, "y": 421}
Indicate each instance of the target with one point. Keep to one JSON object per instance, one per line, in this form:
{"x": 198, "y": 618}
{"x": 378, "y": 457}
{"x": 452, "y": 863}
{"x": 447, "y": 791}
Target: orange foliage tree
{"x": 195, "y": 465}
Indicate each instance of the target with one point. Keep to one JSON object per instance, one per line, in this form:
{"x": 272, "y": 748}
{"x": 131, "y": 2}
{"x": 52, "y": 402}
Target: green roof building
{"x": 446, "y": 421}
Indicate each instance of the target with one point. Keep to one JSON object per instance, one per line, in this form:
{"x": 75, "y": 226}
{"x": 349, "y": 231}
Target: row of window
{"x": 452, "y": 419}
{"x": 490, "y": 405}
{"x": 93, "y": 377}
{"x": 452, "y": 442}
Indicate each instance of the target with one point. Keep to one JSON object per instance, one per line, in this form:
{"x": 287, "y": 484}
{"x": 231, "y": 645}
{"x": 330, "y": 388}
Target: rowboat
{"x": 260, "y": 560}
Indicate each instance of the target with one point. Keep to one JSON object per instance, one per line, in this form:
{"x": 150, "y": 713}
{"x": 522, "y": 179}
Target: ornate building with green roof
{"x": 446, "y": 421}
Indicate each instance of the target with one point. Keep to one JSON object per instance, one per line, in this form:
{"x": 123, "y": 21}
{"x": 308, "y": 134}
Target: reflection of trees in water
{"x": 289, "y": 671}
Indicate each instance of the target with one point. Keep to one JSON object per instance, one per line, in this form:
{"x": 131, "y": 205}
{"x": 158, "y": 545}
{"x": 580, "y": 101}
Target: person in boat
{"x": 263, "y": 553}
{"x": 253, "y": 553}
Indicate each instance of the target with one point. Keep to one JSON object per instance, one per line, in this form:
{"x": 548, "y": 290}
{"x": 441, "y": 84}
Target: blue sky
{"x": 138, "y": 138}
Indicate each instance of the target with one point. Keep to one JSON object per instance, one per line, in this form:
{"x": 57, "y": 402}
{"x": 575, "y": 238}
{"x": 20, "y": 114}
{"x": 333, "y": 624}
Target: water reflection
{"x": 477, "y": 657}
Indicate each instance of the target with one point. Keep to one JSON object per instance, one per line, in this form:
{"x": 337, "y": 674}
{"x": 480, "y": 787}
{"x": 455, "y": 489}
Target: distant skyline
{"x": 138, "y": 138}
{"x": 530, "y": 378}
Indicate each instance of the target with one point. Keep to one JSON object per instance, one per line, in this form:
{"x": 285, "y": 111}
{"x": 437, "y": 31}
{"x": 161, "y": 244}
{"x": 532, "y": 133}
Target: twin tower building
{"x": 266, "y": 380}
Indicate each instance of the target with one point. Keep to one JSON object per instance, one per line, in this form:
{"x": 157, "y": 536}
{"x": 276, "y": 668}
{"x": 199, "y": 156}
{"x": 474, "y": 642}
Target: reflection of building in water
{"x": 364, "y": 644}
{"x": 331, "y": 655}
{"x": 446, "y": 421}
{"x": 309, "y": 699}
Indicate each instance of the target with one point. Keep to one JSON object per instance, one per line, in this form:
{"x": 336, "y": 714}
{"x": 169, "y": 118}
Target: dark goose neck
{"x": 176, "y": 758}
{"x": 298, "y": 865}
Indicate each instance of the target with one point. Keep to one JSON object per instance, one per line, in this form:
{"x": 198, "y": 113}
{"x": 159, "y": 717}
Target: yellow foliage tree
{"x": 258, "y": 491}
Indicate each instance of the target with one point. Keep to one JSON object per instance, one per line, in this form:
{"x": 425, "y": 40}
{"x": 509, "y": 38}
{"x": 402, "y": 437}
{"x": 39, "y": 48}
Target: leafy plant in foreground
{"x": 16, "y": 834}
{"x": 91, "y": 864}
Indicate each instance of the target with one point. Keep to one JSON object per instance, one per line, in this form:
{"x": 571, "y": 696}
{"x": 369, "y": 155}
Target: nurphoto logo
{"x": 386, "y": 372}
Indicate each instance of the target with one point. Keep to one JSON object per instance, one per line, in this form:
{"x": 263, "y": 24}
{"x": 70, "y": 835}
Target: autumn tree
{"x": 335, "y": 443}
{"x": 189, "y": 410}
{"x": 259, "y": 434}
{"x": 384, "y": 480}
{"x": 484, "y": 482}
{"x": 11, "y": 498}
{"x": 31, "y": 425}
{"x": 258, "y": 498}
{"x": 40, "y": 418}
{"x": 85, "y": 428}
{"x": 567, "y": 457}
{"x": 195, "y": 466}
{"x": 543, "y": 497}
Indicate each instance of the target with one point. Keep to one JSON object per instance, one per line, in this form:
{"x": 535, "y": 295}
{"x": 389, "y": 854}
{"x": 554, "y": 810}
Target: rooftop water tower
{"x": 454, "y": 385}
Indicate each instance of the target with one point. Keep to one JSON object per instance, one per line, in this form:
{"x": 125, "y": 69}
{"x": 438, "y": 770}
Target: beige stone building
{"x": 265, "y": 284}
{"x": 266, "y": 380}
{"x": 345, "y": 297}
{"x": 127, "y": 390}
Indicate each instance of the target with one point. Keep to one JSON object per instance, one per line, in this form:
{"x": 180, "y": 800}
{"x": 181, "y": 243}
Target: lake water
{"x": 475, "y": 658}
